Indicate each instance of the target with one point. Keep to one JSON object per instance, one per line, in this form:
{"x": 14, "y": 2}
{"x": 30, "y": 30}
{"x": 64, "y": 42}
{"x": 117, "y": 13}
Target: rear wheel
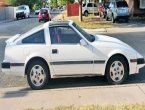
{"x": 116, "y": 71}
{"x": 86, "y": 13}
{"x": 107, "y": 19}
{"x": 37, "y": 74}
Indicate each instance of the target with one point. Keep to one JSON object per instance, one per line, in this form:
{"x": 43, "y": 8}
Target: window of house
{"x": 36, "y": 38}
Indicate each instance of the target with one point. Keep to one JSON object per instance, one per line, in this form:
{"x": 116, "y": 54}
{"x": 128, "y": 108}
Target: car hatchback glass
{"x": 122, "y": 4}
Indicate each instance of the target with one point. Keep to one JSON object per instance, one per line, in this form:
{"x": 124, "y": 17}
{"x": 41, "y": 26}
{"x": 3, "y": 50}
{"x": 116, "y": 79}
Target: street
{"x": 134, "y": 38}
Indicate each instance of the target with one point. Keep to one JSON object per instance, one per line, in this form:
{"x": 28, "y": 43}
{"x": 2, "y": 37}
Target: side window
{"x": 90, "y": 5}
{"x": 112, "y": 5}
{"x": 95, "y": 5}
{"x": 36, "y": 38}
{"x": 64, "y": 35}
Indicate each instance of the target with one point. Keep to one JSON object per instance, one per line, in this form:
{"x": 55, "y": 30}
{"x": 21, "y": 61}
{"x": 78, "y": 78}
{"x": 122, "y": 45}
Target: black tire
{"x": 25, "y": 16}
{"x": 113, "y": 19}
{"x": 110, "y": 73}
{"x": 86, "y": 13}
{"x": 41, "y": 77}
{"x": 126, "y": 20}
{"x": 17, "y": 18}
{"x": 107, "y": 19}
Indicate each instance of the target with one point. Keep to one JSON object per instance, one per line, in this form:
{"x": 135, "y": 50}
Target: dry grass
{"x": 94, "y": 107}
{"x": 90, "y": 22}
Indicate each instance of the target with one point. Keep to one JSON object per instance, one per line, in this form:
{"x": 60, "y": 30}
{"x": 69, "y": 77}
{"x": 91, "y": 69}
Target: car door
{"x": 68, "y": 57}
{"x": 90, "y": 7}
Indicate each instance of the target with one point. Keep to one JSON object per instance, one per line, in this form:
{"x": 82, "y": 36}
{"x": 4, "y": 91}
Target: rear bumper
{"x": 123, "y": 17}
{"x": 5, "y": 65}
{"x": 16, "y": 69}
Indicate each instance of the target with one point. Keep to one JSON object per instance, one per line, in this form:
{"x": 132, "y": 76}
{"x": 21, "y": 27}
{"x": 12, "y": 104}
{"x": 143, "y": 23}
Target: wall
{"x": 73, "y": 9}
{"x": 7, "y": 13}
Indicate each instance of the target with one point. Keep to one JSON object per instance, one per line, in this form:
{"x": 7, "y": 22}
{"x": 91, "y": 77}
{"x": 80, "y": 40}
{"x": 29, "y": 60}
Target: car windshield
{"x": 106, "y": 4}
{"x": 122, "y": 4}
{"x": 21, "y": 8}
{"x": 89, "y": 37}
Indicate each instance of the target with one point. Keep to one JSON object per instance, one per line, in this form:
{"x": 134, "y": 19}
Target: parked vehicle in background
{"x": 48, "y": 52}
{"x": 44, "y": 15}
{"x": 89, "y": 8}
{"x": 36, "y": 12}
{"x": 22, "y": 11}
{"x": 117, "y": 10}
{"x": 105, "y": 6}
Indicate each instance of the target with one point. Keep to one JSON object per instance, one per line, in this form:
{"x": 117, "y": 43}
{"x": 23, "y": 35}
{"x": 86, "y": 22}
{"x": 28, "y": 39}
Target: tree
{"x": 22, "y": 2}
{"x": 80, "y": 11}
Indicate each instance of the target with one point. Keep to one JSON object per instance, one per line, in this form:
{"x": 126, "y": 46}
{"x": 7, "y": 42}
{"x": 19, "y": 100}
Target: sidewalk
{"x": 5, "y": 21}
{"x": 22, "y": 98}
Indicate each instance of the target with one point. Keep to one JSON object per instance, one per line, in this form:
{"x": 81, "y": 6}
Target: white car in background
{"x": 22, "y": 11}
{"x": 60, "y": 49}
{"x": 89, "y": 8}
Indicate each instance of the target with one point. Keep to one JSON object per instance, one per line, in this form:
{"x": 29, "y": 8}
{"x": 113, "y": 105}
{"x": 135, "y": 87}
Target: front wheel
{"x": 113, "y": 19}
{"x": 37, "y": 74}
{"x": 116, "y": 71}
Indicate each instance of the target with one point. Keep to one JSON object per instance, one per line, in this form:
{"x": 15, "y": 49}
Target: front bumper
{"x": 140, "y": 61}
{"x": 20, "y": 14}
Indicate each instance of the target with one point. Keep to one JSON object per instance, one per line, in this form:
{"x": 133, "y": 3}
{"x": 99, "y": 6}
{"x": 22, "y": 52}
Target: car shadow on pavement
{"x": 16, "y": 93}
{"x": 71, "y": 83}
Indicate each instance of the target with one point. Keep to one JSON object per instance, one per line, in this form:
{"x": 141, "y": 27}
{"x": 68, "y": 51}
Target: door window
{"x": 64, "y": 35}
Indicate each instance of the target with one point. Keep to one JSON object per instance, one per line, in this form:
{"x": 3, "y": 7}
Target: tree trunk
{"x": 80, "y": 11}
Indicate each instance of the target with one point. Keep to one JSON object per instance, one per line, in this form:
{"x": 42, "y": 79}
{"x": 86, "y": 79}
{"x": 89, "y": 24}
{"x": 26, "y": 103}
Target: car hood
{"x": 18, "y": 11}
{"x": 104, "y": 38}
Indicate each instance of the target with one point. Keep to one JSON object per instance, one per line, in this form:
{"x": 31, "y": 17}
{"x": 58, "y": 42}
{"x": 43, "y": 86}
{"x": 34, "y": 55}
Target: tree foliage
{"x": 56, "y": 3}
{"x": 22, "y": 2}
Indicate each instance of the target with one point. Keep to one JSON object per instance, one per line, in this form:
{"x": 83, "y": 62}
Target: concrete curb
{"x": 5, "y": 21}
{"x": 96, "y": 30}
{"x": 5, "y": 37}
{"x": 22, "y": 98}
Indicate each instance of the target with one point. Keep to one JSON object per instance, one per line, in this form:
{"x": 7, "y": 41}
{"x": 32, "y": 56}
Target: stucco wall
{"x": 7, "y": 13}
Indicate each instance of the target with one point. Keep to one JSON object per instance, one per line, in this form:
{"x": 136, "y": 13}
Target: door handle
{"x": 54, "y": 51}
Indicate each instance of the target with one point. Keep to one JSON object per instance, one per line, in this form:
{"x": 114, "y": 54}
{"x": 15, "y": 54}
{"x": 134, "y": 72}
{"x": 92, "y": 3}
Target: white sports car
{"x": 62, "y": 49}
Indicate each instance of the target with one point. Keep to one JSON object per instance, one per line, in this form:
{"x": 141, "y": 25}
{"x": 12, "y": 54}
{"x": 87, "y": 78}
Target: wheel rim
{"x": 37, "y": 75}
{"x": 86, "y": 14}
{"x": 116, "y": 71}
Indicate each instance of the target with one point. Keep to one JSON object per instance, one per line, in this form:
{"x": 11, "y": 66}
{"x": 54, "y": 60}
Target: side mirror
{"x": 83, "y": 42}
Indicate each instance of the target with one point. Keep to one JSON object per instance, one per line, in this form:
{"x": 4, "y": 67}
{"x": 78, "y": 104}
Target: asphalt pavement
{"x": 72, "y": 91}
{"x": 130, "y": 33}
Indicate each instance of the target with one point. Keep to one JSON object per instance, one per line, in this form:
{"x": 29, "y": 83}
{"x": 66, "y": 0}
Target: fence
{"x": 73, "y": 9}
{"x": 7, "y": 13}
